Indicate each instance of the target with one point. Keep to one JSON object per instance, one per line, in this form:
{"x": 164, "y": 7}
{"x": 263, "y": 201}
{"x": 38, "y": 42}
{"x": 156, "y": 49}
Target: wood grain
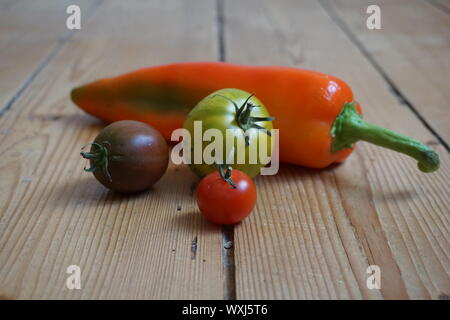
{"x": 315, "y": 232}
{"x": 30, "y": 32}
{"x": 412, "y": 48}
{"x": 53, "y": 215}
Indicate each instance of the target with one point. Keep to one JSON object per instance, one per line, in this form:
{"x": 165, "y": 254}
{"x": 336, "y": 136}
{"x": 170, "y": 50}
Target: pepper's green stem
{"x": 349, "y": 128}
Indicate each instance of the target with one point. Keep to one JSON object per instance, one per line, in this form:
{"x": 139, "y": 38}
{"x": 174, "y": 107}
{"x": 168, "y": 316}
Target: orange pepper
{"x": 316, "y": 114}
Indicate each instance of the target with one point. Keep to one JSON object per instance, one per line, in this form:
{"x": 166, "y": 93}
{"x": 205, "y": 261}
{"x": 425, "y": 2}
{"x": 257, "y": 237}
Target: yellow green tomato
{"x": 248, "y": 123}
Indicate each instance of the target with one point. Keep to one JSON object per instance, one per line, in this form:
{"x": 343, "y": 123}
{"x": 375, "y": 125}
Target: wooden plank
{"x": 413, "y": 50}
{"x": 53, "y": 215}
{"x": 315, "y": 232}
{"x": 30, "y": 31}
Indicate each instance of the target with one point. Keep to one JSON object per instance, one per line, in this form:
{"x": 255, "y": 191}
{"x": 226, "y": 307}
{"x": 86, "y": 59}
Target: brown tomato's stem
{"x": 99, "y": 158}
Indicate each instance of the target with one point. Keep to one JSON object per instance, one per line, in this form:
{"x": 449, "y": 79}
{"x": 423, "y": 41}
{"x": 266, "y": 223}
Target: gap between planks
{"x": 66, "y": 36}
{"x": 228, "y": 254}
{"x": 392, "y": 86}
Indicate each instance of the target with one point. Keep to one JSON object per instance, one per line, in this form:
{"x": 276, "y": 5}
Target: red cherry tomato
{"x": 220, "y": 203}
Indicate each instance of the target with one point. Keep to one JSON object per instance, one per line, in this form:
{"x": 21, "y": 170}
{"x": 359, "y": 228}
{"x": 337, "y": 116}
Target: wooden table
{"x": 313, "y": 233}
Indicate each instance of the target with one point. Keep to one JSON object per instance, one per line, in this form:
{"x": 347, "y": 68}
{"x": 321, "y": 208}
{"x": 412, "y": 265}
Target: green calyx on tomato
{"x": 98, "y": 156}
{"x": 244, "y": 118}
{"x": 245, "y": 126}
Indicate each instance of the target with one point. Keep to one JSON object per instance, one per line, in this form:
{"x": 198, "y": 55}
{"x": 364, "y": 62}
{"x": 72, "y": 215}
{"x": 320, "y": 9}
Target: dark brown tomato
{"x": 128, "y": 156}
